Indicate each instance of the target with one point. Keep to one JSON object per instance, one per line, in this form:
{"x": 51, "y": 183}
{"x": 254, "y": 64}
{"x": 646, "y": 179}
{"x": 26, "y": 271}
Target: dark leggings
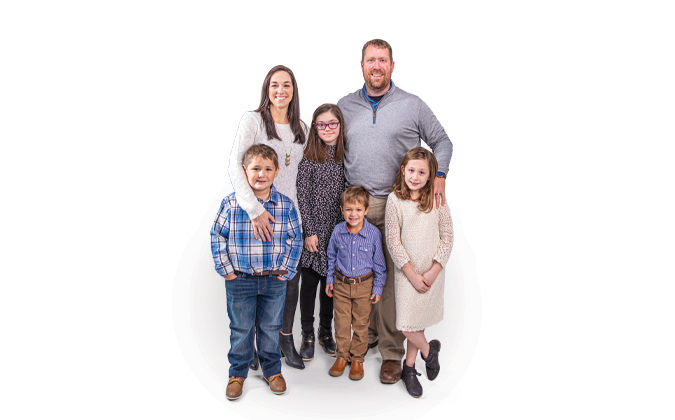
{"x": 310, "y": 280}
{"x": 291, "y": 303}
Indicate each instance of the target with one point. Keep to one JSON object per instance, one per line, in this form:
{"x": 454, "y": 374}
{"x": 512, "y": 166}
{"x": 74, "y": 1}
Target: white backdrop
{"x": 116, "y": 120}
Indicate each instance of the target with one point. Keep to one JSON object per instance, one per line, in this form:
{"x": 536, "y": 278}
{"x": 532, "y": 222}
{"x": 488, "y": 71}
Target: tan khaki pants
{"x": 383, "y": 314}
{"x": 351, "y": 304}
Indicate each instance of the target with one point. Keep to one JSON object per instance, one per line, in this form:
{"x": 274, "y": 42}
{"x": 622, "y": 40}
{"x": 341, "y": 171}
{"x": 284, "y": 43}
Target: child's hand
{"x": 231, "y": 276}
{"x": 431, "y": 275}
{"x": 329, "y": 290}
{"x": 312, "y": 243}
{"x": 415, "y": 279}
{"x": 418, "y": 283}
{"x": 374, "y": 298}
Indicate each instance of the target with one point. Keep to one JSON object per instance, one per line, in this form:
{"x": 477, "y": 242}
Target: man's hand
{"x": 312, "y": 243}
{"x": 281, "y": 278}
{"x": 329, "y": 290}
{"x": 231, "y": 276}
{"x": 261, "y": 226}
{"x": 439, "y": 191}
{"x": 374, "y": 298}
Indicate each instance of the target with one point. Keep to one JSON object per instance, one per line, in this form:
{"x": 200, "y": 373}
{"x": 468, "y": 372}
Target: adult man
{"x": 382, "y": 123}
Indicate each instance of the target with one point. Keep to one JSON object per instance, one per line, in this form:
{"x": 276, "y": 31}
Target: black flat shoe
{"x": 287, "y": 348}
{"x": 307, "y": 347}
{"x": 326, "y": 341}
{"x": 433, "y": 367}
{"x": 412, "y": 384}
{"x": 255, "y": 363}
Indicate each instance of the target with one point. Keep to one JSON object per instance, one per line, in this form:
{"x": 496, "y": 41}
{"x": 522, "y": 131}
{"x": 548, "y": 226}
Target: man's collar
{"x": 365, "y": 93}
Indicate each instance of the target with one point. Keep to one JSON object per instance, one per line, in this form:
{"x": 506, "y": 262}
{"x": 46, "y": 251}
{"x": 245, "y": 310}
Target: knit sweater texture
{"x": 252, "y": 131}
{"x": 375, "y": 141}
{"x": 418, "y": 238}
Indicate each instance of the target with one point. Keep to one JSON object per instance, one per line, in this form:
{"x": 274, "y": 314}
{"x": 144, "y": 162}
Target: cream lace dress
{"x": 420, "y": 238}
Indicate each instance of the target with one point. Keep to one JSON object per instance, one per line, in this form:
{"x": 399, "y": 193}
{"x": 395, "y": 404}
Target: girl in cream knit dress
{"x": 419, "y": 238}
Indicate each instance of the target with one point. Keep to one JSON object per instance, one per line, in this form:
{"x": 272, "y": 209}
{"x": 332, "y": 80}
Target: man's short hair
{"x": 263, "y": 151}
{"x": 354, "y": 194}
{"x": 379, "y": 43}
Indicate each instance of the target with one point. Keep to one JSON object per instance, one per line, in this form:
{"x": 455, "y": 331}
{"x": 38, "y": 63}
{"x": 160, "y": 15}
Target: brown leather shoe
{"x": 390, "y": 372}
{"x": 277, "y": 383}
{"x": 356, "y": 371}
{"x": 338, "y": 367}
{"x": 234, "y": 386}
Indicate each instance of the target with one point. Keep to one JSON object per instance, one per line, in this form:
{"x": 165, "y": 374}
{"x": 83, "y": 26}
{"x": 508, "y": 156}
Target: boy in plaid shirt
{"x": 256, "y": 272}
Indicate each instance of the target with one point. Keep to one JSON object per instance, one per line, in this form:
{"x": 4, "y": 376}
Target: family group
{"x": 353, "y": 206}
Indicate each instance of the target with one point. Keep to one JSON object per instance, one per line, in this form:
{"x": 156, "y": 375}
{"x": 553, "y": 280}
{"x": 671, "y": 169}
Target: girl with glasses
{"x": 320, "y": 182}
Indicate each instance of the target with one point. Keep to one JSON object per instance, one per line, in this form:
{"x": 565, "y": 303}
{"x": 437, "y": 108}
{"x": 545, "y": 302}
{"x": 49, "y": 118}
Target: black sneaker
{"x": 412, "y": 384}
{"x": 433, "y": 367}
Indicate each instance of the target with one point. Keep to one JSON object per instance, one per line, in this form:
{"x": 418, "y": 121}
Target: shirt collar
{"x": 373, "y": 103}
{"x": 273, "y": 198}
{"x": 362, "y": 232}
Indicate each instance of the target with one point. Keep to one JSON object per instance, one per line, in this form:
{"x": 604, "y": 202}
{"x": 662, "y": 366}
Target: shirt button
{"x": 353, "y": 242}
{"x": 352, "y": 255}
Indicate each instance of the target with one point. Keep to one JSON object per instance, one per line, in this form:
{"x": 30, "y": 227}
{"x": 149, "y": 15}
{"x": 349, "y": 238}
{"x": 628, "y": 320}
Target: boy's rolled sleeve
{"x": 219, "y": 236}
{"x": 379, "y": 264}
{"x": 331, "y": 253}
{"x": 293, "y": 246}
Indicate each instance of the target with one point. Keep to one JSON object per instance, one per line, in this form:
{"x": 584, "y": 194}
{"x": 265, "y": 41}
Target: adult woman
{"x": 276, "y": 123}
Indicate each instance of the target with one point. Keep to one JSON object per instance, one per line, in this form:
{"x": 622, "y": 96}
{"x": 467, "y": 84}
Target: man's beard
{"x": 381, "y": 84}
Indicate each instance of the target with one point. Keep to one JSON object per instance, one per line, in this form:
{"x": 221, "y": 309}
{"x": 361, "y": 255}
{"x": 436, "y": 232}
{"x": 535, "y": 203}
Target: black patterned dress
{"x": 319, "y": 188}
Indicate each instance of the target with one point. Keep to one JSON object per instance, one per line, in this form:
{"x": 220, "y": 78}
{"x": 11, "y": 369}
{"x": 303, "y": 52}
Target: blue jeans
{"x": 255, "y": 303}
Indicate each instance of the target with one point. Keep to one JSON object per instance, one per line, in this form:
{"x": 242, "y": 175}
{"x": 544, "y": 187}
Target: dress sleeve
{"x": 305, "y": 202}
{"x": 392, "y": 225}
{"x": 245, "y": 137}
{"x": 446, "y": 233}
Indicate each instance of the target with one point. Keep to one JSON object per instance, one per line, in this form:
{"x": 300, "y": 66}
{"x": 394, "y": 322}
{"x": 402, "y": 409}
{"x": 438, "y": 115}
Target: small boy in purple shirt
{"x": 355, "y": 278}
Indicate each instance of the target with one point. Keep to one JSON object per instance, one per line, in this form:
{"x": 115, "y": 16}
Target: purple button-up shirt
{"x": 357, "y": 254}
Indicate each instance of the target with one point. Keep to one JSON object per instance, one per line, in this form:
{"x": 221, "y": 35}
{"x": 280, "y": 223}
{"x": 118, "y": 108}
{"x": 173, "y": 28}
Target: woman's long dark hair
{"x": 293, "y": 112}
{"x": 316, "y": 148}
{"x": 401, "y": 190}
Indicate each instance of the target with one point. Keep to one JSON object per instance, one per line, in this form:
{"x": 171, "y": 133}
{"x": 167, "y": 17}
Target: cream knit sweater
{"x": 251, "y": 131}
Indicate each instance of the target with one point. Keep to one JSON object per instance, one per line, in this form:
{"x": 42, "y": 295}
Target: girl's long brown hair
{"x": 316, "y": 148}
{"x": 293, "y": 111}
{"x": 426, "y": 200}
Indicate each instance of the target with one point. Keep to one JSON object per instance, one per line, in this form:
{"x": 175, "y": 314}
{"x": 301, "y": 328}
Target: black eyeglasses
{"x": 322, "y": 126}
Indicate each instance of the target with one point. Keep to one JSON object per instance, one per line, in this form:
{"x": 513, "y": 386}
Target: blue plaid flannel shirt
{"x": 234, "y": 247}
